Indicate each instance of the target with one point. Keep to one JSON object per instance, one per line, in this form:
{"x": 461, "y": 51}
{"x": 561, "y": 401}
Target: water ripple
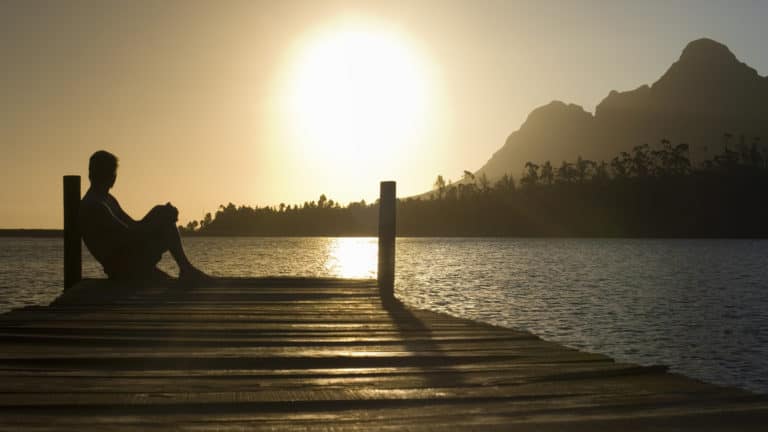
{"x": 699, "y": 306}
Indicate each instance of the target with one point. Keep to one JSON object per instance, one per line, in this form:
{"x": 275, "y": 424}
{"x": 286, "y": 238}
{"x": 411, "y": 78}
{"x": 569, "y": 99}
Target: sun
{"x": 356, "y": 93}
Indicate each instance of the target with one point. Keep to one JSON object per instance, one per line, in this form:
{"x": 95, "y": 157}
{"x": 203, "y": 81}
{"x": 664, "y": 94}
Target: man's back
{"x": 104, "y": 233}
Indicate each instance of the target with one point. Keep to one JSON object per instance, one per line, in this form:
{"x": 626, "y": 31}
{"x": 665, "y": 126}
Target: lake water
{"x": 699, "y": 306}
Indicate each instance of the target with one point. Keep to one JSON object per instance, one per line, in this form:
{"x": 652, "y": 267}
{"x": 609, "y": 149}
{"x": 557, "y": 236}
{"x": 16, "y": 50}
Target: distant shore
{"x": 31, "y": 233}
{"x": 57, "y": 233}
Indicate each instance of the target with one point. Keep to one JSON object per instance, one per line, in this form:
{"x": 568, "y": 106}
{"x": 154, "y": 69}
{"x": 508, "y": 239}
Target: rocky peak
{"x": 707, "y": 53}
{"x": 706, "y": 66}
{"x": 556, "y": 113}
{"x": 707, "y": 79}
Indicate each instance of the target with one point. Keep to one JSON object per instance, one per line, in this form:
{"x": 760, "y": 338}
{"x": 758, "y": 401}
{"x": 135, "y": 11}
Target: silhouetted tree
{"x": 547, "y": 173}
{"x": 601, "y": 174}
{"x": 531, "y": 175}
{"x": 484, "y": 183}
{"x": 621, "y": 165}
{"x": 506, "y": 184}
{"x": 207, "y": 219}
{"x": 566, "y": 173}
{"x": 583, "y": 167}
{"x": 641, "y": 165}
{"x": 440, "y": 187}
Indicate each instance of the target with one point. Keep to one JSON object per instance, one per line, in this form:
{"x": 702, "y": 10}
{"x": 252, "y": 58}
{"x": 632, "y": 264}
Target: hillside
{"x": 707, "y": 93}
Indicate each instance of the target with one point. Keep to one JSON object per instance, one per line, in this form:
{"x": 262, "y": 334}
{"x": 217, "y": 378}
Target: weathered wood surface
{"x": 287, "y": 354}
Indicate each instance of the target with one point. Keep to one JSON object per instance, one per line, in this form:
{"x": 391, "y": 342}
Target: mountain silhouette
{"x": 703, "y": 96}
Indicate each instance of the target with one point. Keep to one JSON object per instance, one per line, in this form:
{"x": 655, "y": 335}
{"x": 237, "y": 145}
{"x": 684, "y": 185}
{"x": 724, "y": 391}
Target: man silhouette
{"x": 126, "y": 248}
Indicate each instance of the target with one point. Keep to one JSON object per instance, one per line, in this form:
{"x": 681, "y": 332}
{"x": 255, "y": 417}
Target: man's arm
{"x": 157, "y": 217}
{"x": 101, "y": 226}
{"x": 120, "y": 214}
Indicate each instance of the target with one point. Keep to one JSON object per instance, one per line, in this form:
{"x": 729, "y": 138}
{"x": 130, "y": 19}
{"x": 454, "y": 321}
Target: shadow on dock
{"x": 417, "y": 337}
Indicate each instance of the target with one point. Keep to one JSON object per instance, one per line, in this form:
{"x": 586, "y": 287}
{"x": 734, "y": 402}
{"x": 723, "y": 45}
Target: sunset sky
{"x": 263, "y": 102}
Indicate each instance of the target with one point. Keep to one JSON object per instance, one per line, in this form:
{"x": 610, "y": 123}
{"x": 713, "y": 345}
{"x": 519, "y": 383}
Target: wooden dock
{"x": 301, "y": 354}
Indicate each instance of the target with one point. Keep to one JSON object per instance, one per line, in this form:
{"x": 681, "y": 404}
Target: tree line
{"x": 646, "y": 192}
{"x": 323, "y": 217}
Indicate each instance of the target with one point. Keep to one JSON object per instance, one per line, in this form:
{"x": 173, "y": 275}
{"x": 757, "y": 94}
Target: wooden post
{"x": 73, "y": 257}
{"x": 387, "y": 219}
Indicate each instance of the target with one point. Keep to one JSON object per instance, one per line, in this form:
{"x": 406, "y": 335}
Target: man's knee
{"x": 163, "y": 216}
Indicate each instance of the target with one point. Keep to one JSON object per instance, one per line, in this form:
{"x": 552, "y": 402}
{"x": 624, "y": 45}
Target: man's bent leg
{"x": 172, "y": 241}
{"x": 160, "y": 222}
{"x": 157, "y": 219}
{"x": 137, "y": 260}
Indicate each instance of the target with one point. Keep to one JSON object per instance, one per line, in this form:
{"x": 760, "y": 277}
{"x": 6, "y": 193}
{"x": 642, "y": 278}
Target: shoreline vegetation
{"x": 648, "y": 192}
{"x": 22, "y": 232}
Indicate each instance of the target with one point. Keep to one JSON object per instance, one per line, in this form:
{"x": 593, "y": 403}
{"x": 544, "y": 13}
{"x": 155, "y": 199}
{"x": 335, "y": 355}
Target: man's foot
{"x": 160, "y": 275}
{"x": 193, "y": 274}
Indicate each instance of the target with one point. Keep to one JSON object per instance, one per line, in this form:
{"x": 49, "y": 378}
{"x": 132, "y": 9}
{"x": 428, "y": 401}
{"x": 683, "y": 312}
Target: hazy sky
{"x": 263, "y": 102}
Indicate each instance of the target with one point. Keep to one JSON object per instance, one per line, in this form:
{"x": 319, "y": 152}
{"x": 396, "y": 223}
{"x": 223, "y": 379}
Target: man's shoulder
{"x": 92, "y": 201}
{"x": 98, "y": 197}
{"x": 97, "y": 210}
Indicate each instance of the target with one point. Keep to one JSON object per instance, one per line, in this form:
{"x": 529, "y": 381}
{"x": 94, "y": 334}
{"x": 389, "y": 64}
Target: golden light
{"x": 356, "y": 94}
{"x": 353, "y": 257}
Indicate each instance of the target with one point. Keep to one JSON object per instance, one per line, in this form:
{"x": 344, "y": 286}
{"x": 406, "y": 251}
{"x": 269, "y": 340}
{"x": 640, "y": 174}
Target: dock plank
{"x": 305, "y": 354}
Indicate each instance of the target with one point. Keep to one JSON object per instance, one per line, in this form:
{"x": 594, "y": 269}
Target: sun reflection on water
{"x": 352, "y": 257}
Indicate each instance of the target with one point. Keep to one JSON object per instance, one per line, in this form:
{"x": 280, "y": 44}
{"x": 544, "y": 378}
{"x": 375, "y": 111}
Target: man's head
{"x": 102, "y": 169}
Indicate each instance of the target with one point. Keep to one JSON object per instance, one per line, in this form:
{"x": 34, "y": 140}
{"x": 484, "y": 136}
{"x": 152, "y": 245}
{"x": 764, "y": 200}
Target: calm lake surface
{"x": 699, "y": 306}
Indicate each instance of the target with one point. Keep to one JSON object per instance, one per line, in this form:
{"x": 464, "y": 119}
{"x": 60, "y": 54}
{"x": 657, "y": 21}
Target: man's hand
{"x": 159, "y": 216}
